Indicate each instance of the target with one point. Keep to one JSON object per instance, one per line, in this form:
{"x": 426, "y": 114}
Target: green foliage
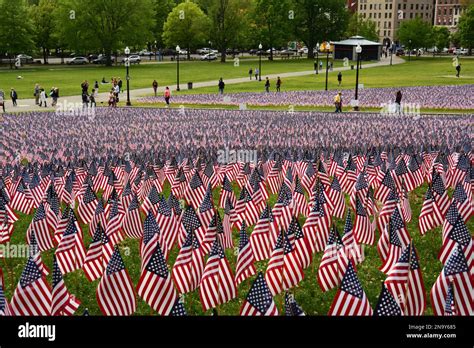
{"x": 162, "y": 10}
{"x": 15, "y": 27}
{"x": 43, "y": 25}
{"x": 361, "y": 26}
{"x": 466, "y": 28}
{"x": 319, "y": 20}
{"x": 187, "y": 25}
{"x": 415, "y": 33}
{"x": 441, "y": 37}
{"x": 108, "y": 26}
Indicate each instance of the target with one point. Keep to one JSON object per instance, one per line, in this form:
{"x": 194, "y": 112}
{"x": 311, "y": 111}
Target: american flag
{"x": 189, "y": 265}
{"x": 310, "y": 228}
{"x": 363, "y": 228}
{"x": 402, "y": 174}
{"x": 190, "y": 221}
{"x": 40, "y": 226}
{"x": 350, "y": 298}
{"x": 351, "y": 250}
{"x": 114, "y": 225}
{"x": 405, "y": 283}
{"x": 283, "y": 208}
{"x": 336, "y": 198}
{"x": 206, "y": 210}
{"x": 458, "y": 237}
{"x": 392, "y": 242}
{"x": 132, "y": 223}
{"x": 115, "y": 293}
{"x": 330, "y": 272}
{"x": 178, "y": 309}
{"x": 71, "y": 253}
{"x": 32, "y": 296}
{"x": 4, "y": 306}
{"x": 455, "y": 273}
{"x": 300, "y": 243}
{"x": 360, "y": 190}
{"x": 229, "y": 218}
{"x": 195, "y": 190}
{"x": 387, "y": 185}
{"x": 151, "y": 201}
{"x": 456, "y": 174}
{"x": 211, "y": 233}
{"x": 292, "y": 308}
{"x": 299, "y": 200}
{"x": 98, "y": 255}
{"x": 309, "y": 177}
{"x": 348, "y": 177}
{"x": 245, "y": 259}
{"x": 440, "y": 198}
{"x": 226, "y": 192}
{"x": 155, "y": 285}
{"x": 387, "y": 210}
{"x": 275, "y": 177}
{"x": 405, "y": 204}
{"x": 416, "y": 174}
{"x": 168, "y": 223}
{"x": 36, "y": 254}
{"x": 462, "y": 201}
{"x": 217, "y": 284}
{"x": 450, "y": 307}
{"x": 151, "y": 235}
{"x": 87, "y": 205}
{"x": 63, "y": 303}
{"x": 387, "y": 305}
{"x": 99, "y": 216}
{"x": 21, "y": 199}
{"x": 246, "y": 208}
{"x": 259, "y": 300}
{"x": 260, "y": 237}
{"x": 426, "y": 219}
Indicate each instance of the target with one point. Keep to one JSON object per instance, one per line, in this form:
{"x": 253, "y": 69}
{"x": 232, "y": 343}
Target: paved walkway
{"x": 29, "y": 104}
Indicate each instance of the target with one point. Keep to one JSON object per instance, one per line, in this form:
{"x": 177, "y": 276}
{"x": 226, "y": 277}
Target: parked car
{"x": 452, "y": 50}
{"x": 168, "y": 52}
{"x": 287, "y": 52}
{"x": 25, "y": 59}
{"x": 92, "y": 57}
{"x": 102, "y": 59}
{"x": 232, "y": 51}
{"x": 209, "y": 56}
{"x": 400, "y": 52}
{"x": 133, "y": 59}
{"x": 183, "y": 52}
{"x": 461, "y": 51}
{"x": 275, "y": 51}
{"x": 78, "y": 61}
{"x": 145, "y": 53}
{"x": 253, "y": 51}
{"x": 205, "y": 50}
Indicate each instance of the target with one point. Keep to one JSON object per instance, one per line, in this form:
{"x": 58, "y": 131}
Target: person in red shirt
{"x": 167, "y": 96}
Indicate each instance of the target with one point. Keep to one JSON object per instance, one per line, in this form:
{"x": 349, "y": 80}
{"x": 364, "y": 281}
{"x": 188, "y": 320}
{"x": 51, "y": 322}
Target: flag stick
{"x": 410, "y": 246}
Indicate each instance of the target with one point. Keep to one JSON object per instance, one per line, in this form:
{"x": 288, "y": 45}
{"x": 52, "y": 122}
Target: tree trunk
{"x": 108, "y": 57}
{"x": 45, "y": 55}
{"x": 310, "y": 51}
{"x": 223, "y": 55}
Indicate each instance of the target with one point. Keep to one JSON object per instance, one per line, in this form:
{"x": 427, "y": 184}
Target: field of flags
{"x": 430, "y": 97}
{"x": 134, "y": 212}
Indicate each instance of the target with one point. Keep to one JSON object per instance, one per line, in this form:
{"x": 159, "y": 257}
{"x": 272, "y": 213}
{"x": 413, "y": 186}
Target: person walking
{"x": 458, "y": 70}
{"x": 256, "y": 73}
{"x": 14, "y": 96}
{"x": 250, "y": 73}
{"x": 119, "y": 83}
{"x": 112, "y": 100}
{"x": 339, "y": 78}
{"x": 267, "y": 85}
{"x": 85, "y": 86}
{"x": 85, "y": 100}
{"x": 338, "y": 102}
{"x": 117, "y": 92}
{"x": 221, "y": 86}
{"x": 320, "y": 65}
{"x": 167, "y": 96}
{"x": 92, "y": 98}
{"x": 155, "y": 86}
{"x": 96, "y": 86}
{"x": 43, "y": 98}
{"x": 2, "y": 100}
{"x": 278, "y": 84}
{"x": 315, "y": 67}
{"x": 36, "y": 94}
{"x": 54, "y": 95}
{"x": 398, "y": 102}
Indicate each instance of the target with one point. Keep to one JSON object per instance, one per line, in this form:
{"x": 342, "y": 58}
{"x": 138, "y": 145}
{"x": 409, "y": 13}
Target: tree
{"x": 415, "y": 33}
{"x": 106, "y": 26}
{"x": 466, "y": 28}
{"x": 43, "y": 26}
{"x": 186, "y": 25}
{"x": 361, "y": 26}
{"x": 319, "y": 20}
{"x": 228, "y": 19}
{"x": 272, "y": 20}
{"x": 441, "y": 37}
{"x": 15, "y": 28}
{"x": 162, "y": 10}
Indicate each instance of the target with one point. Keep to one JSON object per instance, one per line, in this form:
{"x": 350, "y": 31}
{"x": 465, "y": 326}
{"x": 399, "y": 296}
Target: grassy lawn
{"x": 69, "y": 78}
{"x": 417, "y": 72}
{"x": 308, "y": 293}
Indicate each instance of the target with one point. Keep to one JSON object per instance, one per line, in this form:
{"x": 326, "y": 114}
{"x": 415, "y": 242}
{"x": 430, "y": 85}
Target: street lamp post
{"x": 156, "y": 48}
{"x": 327, "y": 47}
{"x": 260, "y": 62}
{"x": 409, "y": 50}
{"x": 177, "y": 67}
{"x": 317, "y": 58}
{"x": 358, "y": 51}
{"x": 127, "y": 65}
{"x": 391, "y": 52}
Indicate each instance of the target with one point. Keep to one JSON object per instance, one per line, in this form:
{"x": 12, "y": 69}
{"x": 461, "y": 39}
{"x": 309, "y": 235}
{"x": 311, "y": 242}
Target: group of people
{"x": 41, "y": 97}
{"x": 89, "y": 99}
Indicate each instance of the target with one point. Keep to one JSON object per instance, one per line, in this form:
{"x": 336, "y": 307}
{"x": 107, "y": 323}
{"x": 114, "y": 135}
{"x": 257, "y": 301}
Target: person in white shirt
{"x": 43, "y": 98}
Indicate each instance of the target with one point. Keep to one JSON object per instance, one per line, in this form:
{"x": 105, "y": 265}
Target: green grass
{"x": 69, "y": 78}
{"x": 419, "y": 72}
{"x": 308, "y": 294}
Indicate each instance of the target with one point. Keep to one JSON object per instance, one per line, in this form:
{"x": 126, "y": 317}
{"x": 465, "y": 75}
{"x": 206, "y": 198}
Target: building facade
{"x": 447, "y": 13}
{"x": 389, "y": 14}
